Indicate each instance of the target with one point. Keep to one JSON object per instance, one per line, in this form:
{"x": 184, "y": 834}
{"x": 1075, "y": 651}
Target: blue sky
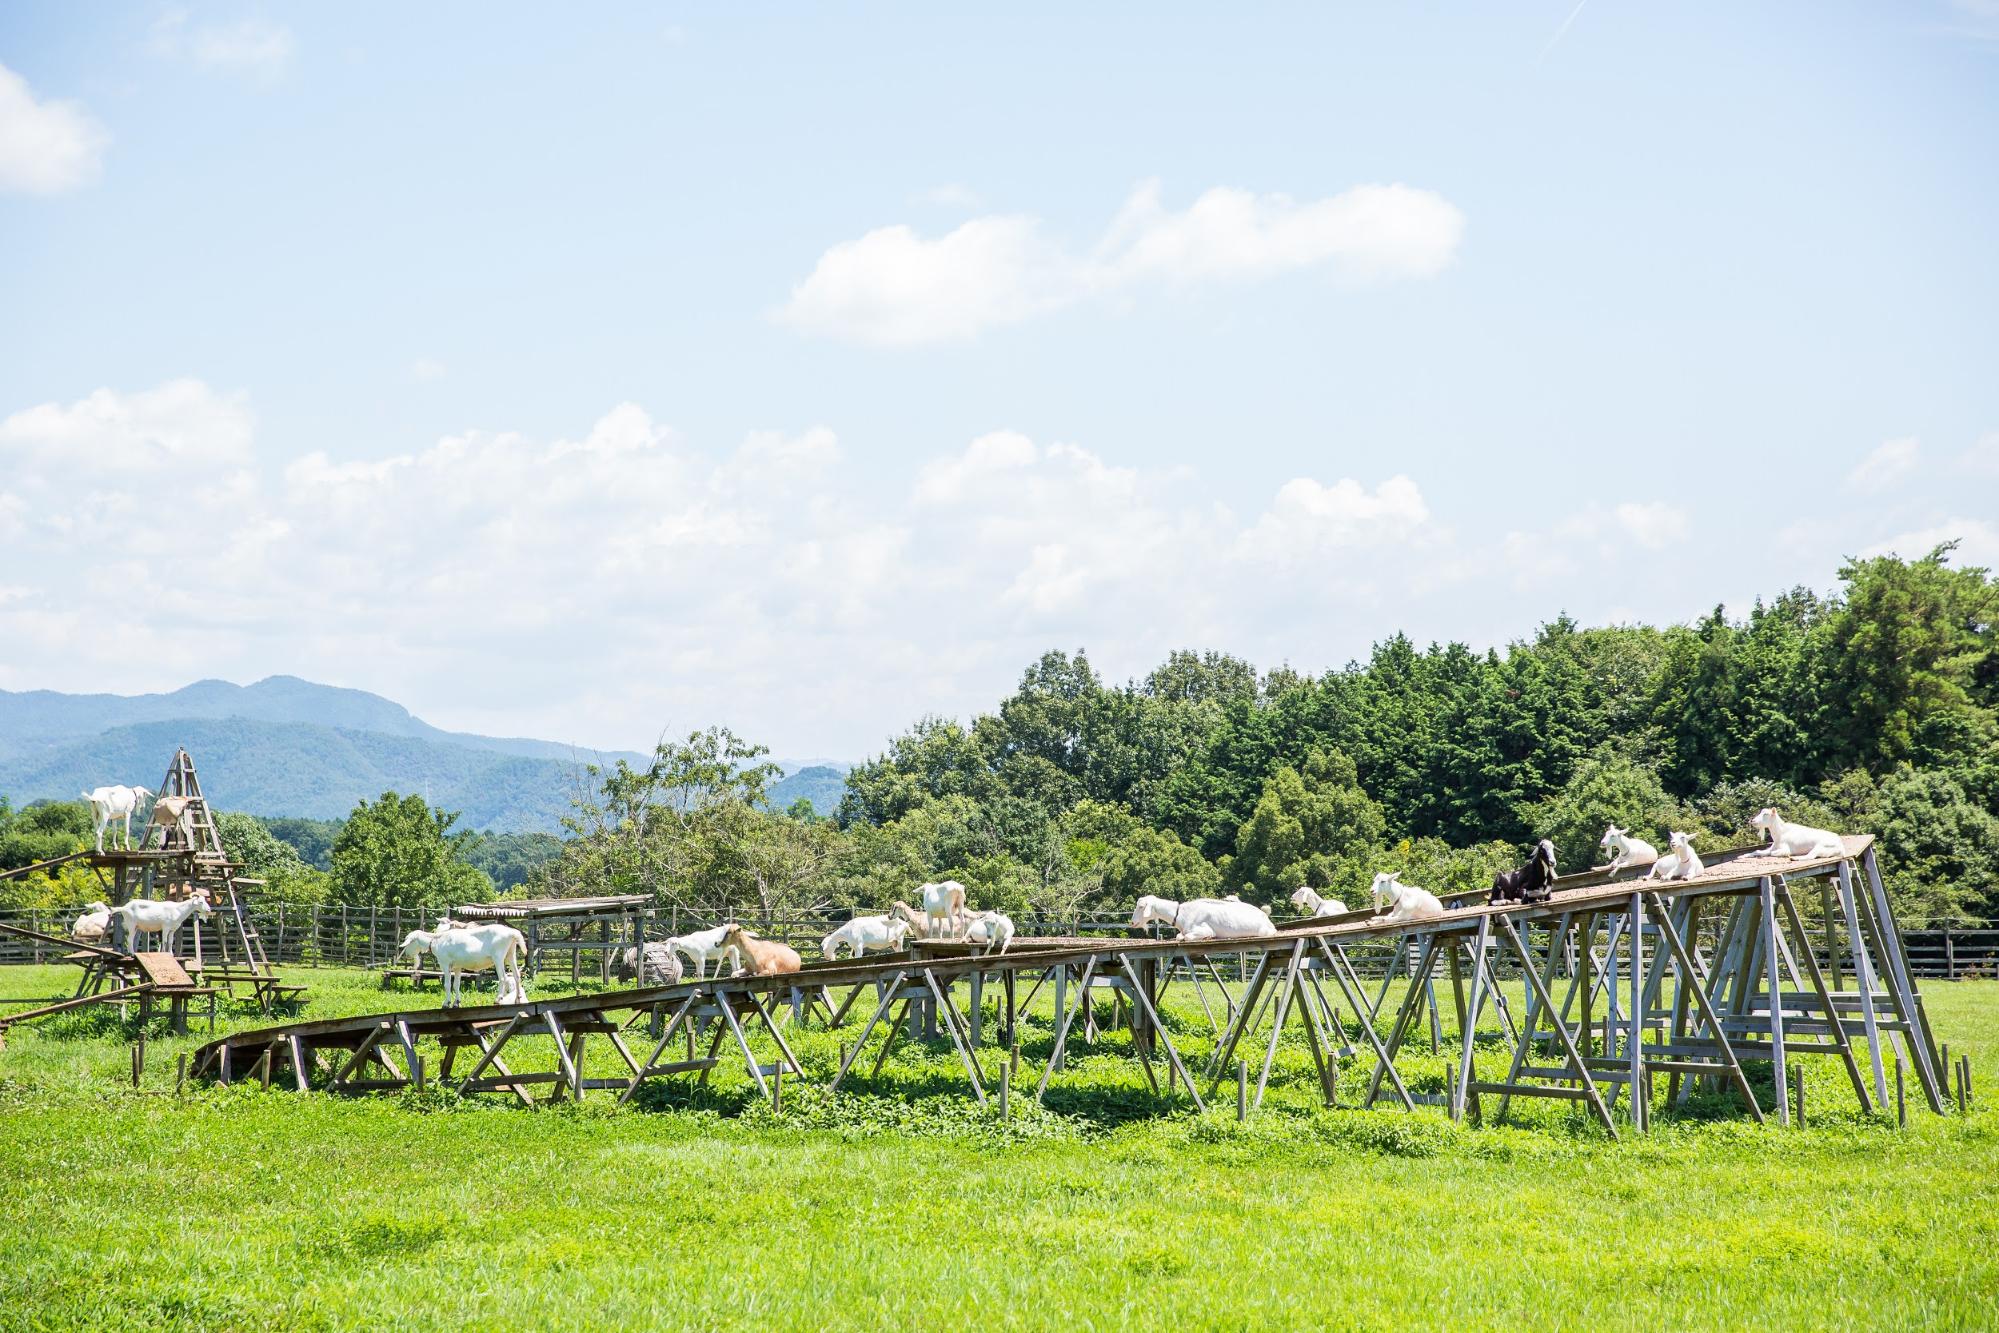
{"x": 593, "y": 377}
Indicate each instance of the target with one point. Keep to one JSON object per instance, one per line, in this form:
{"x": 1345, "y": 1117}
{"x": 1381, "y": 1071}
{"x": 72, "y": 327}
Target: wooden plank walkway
{"x": 1669, "y": 1009}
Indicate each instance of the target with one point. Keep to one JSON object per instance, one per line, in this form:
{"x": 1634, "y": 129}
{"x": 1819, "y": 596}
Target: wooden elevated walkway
{"x": 1642, "y": 1000}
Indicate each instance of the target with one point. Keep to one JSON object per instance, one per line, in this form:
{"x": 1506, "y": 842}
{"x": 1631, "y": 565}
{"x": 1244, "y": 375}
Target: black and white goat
{"x": 1531, "y": 883}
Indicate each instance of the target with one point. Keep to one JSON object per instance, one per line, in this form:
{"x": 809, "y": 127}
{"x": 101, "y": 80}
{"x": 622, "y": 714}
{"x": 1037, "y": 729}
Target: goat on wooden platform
{"x": 154, "y": 916}
{"x": 93, "y": 925}
{"x": 1214, "y": 916}
{"x": 170, "y": 818}
{"x": 1531, "y": 883}
{"x": 1625, "y": 850}
{"x": 119, "y": 803}
{"x": 1682, "y": 862}
{"x": 1788, "y": 839}
{"x": 883, "y": 934}
{"x": 702, "y": 947}
{"x": 1307, "y": 900}
{"x": 994, "y": 930}
{"x": 1404, "y": 902}
{"x": 763, "y": 958}
{"x": 943, "y": 909}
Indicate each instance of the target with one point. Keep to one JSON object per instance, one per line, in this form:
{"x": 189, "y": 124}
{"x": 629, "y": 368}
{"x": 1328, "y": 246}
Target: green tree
{"x": 1902, "y": 660}
{"x": 396, "y": 851}
{"x": 1305, "y": 824}
{"x": 263, "y": 855}
{"x": 1607, "y": 788}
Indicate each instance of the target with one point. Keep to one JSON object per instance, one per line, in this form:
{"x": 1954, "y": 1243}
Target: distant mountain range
{"x": 286, "y": 746}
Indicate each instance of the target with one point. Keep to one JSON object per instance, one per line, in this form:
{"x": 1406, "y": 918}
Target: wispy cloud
{"x": 1886, "y": 464}
{"x": 950, "y": 195}
{"x": 46, "y": 147}
{"x": 253, "y": 47}
{"x": 894, "y": 286}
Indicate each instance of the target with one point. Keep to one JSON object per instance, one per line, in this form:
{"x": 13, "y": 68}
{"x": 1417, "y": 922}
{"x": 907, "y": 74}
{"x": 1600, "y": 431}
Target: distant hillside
{"x": 284, "y": 746}
{"x": 32, "y": 719}
{"x": 294, "y": 768}
{"x": 821, "y": 784}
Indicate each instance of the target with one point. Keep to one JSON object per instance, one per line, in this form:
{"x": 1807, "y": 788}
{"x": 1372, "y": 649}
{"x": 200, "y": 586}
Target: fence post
{"x": 369, "y": 957}
{"x": 346, "y": 939}
{"x": 1949, "y": 955}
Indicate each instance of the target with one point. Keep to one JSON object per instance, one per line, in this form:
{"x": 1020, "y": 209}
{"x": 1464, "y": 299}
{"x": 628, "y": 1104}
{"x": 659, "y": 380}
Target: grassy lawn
{"x": 901, "y": 1203}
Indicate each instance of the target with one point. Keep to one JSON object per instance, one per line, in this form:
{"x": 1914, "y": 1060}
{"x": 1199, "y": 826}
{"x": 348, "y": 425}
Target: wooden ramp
{"x": 163, "y": 971}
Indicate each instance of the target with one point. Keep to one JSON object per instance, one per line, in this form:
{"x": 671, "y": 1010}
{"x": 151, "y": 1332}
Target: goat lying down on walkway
{"x": 1202, "y": 918}
{"x": 762, "y": 958}
{"x": 1405, "y": 902}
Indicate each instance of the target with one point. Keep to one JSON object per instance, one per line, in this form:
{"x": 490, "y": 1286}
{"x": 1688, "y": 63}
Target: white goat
{"x": 93, "y": 925}
{"x": 1682, "y": 862}
{"x": 155, "y": 916}
{"x": 992, "y": 929}
{"x": 1625, "y": 850}
{"x": 119, "y": 803}
{"x": 943, "y": 909}
{"x": 1311, "y": 904}
{"x": 488, "y": 947}
{"x": 1788, "y": 839}
{"x": 702, "y": 947}
{"x": 881, "y": 933}
{"x": 1405, "y": 902}
{"x": 1215, "y": 916}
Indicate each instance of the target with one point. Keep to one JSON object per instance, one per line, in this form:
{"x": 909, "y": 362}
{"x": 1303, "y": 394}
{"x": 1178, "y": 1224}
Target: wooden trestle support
{"x": 1624, "y": 983}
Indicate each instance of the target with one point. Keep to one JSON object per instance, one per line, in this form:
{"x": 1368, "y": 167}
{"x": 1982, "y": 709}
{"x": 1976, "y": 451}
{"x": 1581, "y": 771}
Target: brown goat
{"x": 765, "y": 958}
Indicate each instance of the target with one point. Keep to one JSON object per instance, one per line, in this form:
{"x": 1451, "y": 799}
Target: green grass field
{"x": 900, "y": 1203}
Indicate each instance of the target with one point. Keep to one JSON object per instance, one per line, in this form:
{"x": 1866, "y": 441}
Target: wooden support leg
{"x": 1774, "y": 974}
{"x": 949, "y": 1014}
{"x": 1922, "y": 1041}
{"x": 1064, "y": 1020}
{"x": 1824, "y": 994}
{"x": 1165, "y": 1037}
{"x": 1575, "y": 1059}
{"x": 1283, "y": 1003}
{"x": 1468, "y": 1017}
{"x": 1350, "y": 986}
{"x": 1863, "y": 975}
{"x": 1426, "y": 962}
{"x": 743, "y": 1043}
{"x": 1700, "y": 998}
{"x": 1531, "y": 1020}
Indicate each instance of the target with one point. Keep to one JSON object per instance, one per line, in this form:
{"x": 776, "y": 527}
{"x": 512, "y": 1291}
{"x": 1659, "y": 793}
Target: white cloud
{"x": 1982, "y": 457}
{"x": 253, "y": 46}
{"x": 1592, "y": 536}
{"x": 1886, "y": 464}
{"x": 1308, "y": 520}
{"x": 604, "y": 584}
{"x": 1370, "y": 232}
{"x": 45, "y": 147}
{"x": 894, "y": 287}
{"x": 1977, "y": 539}
{"x": 1654, "y": 525}
{"x": 423, "y": 370}
{"x": 181, "y": 424}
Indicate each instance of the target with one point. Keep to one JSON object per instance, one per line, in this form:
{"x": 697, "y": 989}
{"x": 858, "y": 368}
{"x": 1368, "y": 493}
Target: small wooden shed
{"x": 572, "y": 926}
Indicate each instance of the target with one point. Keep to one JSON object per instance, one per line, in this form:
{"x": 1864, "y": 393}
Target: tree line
{"x": 1872, "y": 709}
